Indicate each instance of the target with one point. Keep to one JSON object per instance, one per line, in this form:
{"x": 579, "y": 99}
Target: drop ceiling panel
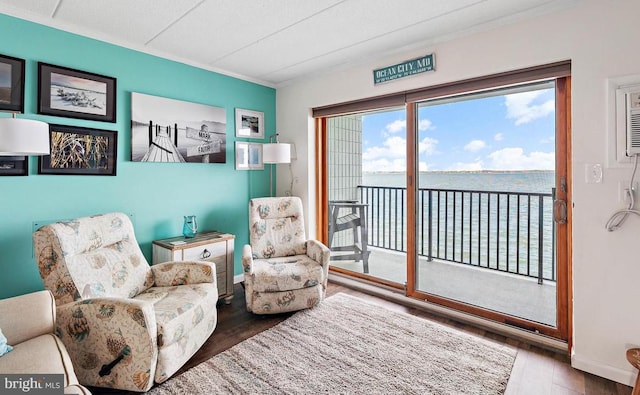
{"x": 344, "y": 26}
{"x": 274, "y": 41}
{"x": 219, "y": 28}
{"x": 133, "y": 21}
{"x": 41, "y": 7}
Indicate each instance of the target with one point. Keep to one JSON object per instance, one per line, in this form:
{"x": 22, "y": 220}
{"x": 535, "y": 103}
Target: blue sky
{"x": 508, "y": 132}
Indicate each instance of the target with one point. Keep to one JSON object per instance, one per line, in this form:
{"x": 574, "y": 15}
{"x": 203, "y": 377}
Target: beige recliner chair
{"x": 283, "y": 271}
{"x": 125, "y": 324}
{"x": 28, "y": 321}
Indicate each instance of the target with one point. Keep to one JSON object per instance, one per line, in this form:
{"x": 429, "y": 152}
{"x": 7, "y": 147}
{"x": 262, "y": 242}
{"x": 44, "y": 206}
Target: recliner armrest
{"x": 96, "y": 331}
{"x": 247, "y": 259}
{"x": 318, "y": 252}
{"x": 27, "y": 316}
{"x": 169, "y": 274}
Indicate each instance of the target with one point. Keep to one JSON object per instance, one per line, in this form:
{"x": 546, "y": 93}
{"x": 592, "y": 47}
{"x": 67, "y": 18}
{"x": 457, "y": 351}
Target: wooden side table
{"x": 216, "y": 247}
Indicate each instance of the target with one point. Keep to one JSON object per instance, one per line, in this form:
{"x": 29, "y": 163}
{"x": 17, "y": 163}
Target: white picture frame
{"x": 249, "y": 124}
{"x": 249, "y": 156}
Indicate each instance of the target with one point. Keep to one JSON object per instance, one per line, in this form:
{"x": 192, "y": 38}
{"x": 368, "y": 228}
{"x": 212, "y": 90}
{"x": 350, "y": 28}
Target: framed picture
{"x": 169, "y": 130}
{"x": 14, "y": 166}
{"x": 248, "y": 156}
{"x": 80, "y": 151}
{"x": 75, "y": 94}
{"x": 249, "y": 124}
{"x": 11, "y": 84}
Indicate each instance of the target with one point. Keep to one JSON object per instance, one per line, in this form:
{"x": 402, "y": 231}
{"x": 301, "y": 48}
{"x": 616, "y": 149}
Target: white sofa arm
{"x": 36, "y": 312}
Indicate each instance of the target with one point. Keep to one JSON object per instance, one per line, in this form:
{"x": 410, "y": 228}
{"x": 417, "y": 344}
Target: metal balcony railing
{"x": 512, "y": 232}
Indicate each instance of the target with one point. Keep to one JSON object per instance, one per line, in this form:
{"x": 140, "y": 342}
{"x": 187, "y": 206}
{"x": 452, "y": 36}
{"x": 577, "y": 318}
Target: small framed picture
{"x": 11, "y": 84}
{"x": 248, "y": 156}
{"x": 80, "y": 151}
{"x": 14, "y": 166}
{"x": 76, "y": 94}
{"x": 249, "y": 124}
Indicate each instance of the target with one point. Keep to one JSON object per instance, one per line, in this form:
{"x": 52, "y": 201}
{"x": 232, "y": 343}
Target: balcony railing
{"x": 512, "y": 232}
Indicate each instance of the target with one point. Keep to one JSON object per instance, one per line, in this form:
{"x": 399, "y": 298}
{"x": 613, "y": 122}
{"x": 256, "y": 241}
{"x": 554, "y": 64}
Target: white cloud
{"x": 516, "y": 159}
{"x": 392, "y": 155}
{"x": 520, "y": 106}
{"x": 393, "y": 147}
{"x": 475, "y": 145}
{"x": 396, "y": 126}
{"x": 498, "y": 137}
{"x": 427, "y": 146}
{"x": 425, "y": 124}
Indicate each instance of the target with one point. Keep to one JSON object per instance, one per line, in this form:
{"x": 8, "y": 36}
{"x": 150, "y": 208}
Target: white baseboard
{"x": 608, "y": 372}
{"x": 238, "y": 278}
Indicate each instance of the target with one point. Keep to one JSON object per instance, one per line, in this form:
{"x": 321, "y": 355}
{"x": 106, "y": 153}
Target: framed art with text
{"x": 80, "y": 151}
{"x": 73, "y": 93}
{"x": 11, "y": 84}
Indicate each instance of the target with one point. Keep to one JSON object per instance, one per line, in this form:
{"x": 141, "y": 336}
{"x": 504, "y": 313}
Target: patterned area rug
{"x": 349, "y": 346}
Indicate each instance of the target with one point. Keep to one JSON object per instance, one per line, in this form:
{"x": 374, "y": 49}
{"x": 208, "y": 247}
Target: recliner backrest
{"x": 95, "y": 256}
{"x": 276, "y": 226}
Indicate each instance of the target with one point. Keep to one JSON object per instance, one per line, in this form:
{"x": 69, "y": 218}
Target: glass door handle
{"x": 560, "y": 211}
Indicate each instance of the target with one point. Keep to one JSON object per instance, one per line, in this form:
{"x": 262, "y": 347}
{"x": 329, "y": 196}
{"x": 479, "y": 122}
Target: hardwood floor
{"x": 536, "y": 371}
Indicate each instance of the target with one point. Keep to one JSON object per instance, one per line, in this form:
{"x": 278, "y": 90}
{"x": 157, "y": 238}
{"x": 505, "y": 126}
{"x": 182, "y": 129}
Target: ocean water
{"x": 504, "y": 181}
{"x": 488, "y": 219}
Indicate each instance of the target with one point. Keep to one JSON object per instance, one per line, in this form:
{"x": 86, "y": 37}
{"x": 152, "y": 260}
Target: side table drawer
{"x": 207, "y": 252}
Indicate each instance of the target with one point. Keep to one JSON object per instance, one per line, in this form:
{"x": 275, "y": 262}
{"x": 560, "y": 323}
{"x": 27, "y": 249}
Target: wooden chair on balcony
{"x": 355, "y": 220}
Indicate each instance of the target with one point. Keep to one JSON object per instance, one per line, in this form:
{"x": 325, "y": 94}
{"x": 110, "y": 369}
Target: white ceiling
{"x": 274, "y": 42}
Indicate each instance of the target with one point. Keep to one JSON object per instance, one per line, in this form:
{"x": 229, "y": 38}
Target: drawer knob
{"x": 205, "y": 254}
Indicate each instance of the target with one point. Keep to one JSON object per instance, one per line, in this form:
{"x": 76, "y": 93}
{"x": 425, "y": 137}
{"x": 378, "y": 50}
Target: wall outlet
{"x": 593, "y": 173}
{"x": 623, "y": 196}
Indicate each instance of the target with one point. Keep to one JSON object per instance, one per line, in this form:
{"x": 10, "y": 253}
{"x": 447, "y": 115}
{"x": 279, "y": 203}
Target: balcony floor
{"x": 515, "y": 295}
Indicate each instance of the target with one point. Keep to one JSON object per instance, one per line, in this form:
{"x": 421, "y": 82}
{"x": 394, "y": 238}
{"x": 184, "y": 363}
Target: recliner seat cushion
{"x": 281, "y": 274}
{"x": 178, "y": 309}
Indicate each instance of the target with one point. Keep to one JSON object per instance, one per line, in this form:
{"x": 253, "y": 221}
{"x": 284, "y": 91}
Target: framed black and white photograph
{"x": 73, "y": 93}
{"x": 249, "y": 156}
{"x": 169, "y": 130}
{"x": 80, "y": 151}
{"x": 249, "y": 124}
{"x": 11, "y": 84}
{"x": 14, "y": 165}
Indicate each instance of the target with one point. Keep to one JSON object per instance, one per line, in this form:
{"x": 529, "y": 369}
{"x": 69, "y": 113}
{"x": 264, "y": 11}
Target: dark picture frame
{"x": 74, "y": 93}
{"x": 14, "y": 165}
{"x": 11, "y": 84}
{"x": 80, "y": 151}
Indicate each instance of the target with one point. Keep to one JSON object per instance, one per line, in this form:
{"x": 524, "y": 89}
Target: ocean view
{"x": 500, "y": 181}
{"x": 495, "y": 219}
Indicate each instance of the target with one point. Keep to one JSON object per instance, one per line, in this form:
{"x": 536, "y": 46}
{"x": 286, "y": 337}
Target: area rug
{"x": 349, "y": 346}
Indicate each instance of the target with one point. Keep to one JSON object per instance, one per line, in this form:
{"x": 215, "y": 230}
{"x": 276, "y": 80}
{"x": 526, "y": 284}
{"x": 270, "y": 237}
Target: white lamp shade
{"x": 276, "y": 153}
{"x": 23, "y": 137}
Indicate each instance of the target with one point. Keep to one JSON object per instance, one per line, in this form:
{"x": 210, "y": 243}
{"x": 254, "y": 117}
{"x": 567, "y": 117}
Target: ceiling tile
{"x": 133, "y": 21}
{"x": 221, "y": 27}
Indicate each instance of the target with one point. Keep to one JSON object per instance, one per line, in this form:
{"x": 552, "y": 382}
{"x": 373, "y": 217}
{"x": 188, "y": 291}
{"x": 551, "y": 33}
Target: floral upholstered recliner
{"x": 283, "y": 271}
{"x": 125, "y": 324}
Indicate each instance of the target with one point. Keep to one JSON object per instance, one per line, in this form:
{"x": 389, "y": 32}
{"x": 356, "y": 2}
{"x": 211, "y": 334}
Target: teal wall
{"x": 157, "y": 195}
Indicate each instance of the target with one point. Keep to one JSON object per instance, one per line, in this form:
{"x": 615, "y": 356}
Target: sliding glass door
{"x": 459, "y": 198}
{"x": 366, "y": 185}
{"x": 486, "y": 235}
